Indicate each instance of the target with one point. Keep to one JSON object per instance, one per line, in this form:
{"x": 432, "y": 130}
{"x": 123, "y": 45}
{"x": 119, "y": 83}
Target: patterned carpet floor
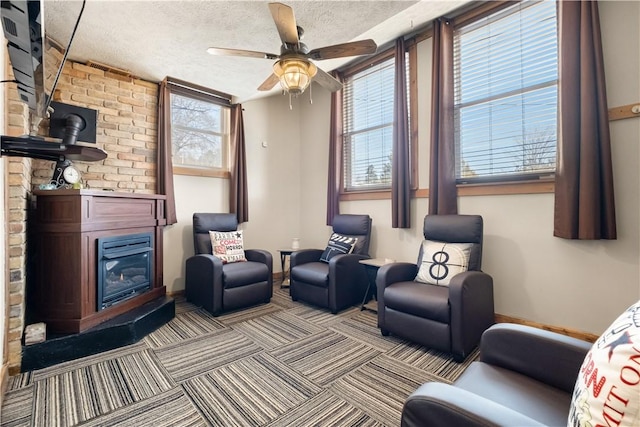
{"x": 277, "y": 364}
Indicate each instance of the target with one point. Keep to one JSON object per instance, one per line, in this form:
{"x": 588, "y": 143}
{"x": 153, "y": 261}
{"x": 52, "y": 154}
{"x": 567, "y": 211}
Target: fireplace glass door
{"x": 124, "y": 268}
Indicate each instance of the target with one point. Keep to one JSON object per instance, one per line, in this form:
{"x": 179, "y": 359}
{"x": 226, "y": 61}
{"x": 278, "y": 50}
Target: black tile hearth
{"x": 122, "y": 330}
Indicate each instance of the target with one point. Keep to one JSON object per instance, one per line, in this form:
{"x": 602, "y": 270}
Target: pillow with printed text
{"x": 607, "y": 390}
{"x": 228, "y": 246}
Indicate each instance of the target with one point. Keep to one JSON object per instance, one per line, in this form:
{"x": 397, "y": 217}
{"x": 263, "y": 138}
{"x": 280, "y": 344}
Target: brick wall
{"x": 19, "y": 184}
{"x": 127, "y": 131}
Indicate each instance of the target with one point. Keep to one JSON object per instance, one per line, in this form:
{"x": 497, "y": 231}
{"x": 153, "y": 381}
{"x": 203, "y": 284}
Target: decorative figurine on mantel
{"x": 66, "y": 175}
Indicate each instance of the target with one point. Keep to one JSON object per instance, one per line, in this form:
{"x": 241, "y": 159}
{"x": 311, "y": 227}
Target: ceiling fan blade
{"x": 268, "y": 84}
{"x": 220, "y": 51}
{"x": 362, "y": 47}
{"x": 325, "y": 80}
{"x": 285, "y": 22}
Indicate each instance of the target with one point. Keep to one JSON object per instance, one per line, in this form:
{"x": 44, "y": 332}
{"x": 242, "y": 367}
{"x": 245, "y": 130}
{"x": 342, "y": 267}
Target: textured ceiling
{"x": 154, "y": 39}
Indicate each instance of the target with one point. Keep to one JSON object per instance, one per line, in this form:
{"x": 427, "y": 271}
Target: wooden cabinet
{"x": 62, "y": 249}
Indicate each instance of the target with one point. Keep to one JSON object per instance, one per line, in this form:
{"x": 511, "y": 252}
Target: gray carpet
{"x": 278, "y": 364}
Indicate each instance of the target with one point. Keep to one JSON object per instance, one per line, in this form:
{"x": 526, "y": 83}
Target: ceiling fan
{"x": 293, "y": 68}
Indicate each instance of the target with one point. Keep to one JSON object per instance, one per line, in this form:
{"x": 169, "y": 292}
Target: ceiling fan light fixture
{"x": 294, "y": 74}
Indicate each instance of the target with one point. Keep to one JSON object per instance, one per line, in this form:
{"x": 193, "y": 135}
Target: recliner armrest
{"x": 347, "y": 259}
{"x": 259, "y": 255}
{"x": 549, "y": 357}
{"x": 395, "y": 272}
{"x": 346, "y": 267}
{"x": 304, "y": 256}
{"x": 348, "y": 276}
{"x": 203, "y": 281}
{"x": 472, "y": 310}
{"x": 206, "y": 258}
{"x": 439, "y": 404}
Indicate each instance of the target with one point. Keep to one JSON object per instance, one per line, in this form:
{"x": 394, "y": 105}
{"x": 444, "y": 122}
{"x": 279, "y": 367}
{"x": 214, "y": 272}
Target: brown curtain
{"x": 400, "y": 168}
{"x": 238, "y": 199}
{"x": 443, "y": 197}
{"x": 165, "y": 166}
{"x": 584, "y": 202}
{"x": 335, "y": 150}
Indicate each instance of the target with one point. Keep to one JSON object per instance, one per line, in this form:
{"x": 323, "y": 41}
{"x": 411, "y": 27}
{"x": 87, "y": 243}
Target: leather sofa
{"x": 525, "y": 377}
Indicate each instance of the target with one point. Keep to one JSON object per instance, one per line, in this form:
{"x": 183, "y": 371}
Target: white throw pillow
{"x": 227, "y": 245}
{"x": 441, "y": 261}
{"x": 607, "y": 391}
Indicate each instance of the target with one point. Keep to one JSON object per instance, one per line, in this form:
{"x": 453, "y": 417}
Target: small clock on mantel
{"x": 65, "y": 175}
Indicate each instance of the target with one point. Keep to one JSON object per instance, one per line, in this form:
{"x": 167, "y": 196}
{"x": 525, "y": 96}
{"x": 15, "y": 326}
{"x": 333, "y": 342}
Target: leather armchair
{"x": 525, "y": 377}
{"x": 342, "y": 281}
{"x": 222, "y": 287}
{"x": 448, "y": 318}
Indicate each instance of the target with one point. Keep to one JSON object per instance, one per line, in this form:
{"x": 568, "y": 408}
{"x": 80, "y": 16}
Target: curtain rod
{"x": 200, "y": 89}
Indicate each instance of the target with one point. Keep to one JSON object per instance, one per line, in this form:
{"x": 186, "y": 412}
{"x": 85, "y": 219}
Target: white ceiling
{"x": 153, "y": 39}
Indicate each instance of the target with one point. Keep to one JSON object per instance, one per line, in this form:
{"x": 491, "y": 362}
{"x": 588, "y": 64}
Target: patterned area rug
{"x": 278, "y": 364}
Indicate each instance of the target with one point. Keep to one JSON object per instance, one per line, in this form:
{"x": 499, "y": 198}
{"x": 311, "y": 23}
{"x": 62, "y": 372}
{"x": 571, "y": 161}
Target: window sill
{"x": 366, "y": 195}
{"x": 375, "y": 195}
{"x": 506, "y": 188}
{"x": 181, "y": 170}
{"x": 492, "y": 189}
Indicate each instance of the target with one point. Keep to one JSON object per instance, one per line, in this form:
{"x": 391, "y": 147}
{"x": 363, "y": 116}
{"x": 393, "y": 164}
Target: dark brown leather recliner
{"x": 448, "y": 318}
{"x": 525, "y": 377}
{"x": 222, "y": 287}
{"x": 342, "y": 281}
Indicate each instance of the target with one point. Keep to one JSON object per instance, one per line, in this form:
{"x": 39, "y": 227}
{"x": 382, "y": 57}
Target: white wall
{"x": 193, "y": 194}
{"x": 273, "y": 173}
{"x": 576, "y": 284}
{"x": 273, "y": 184}
{"x": 314, "y": 166}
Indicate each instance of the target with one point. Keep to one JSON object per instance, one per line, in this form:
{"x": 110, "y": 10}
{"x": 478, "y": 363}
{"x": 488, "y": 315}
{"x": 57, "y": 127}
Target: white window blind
{"x": 368, "y": 127}
{"x": 506, "y": 78}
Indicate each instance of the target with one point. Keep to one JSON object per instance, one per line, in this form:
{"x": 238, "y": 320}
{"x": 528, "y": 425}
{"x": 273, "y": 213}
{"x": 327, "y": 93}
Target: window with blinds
{"x": 506, "y": 85}
{"x": 368, "y": 127}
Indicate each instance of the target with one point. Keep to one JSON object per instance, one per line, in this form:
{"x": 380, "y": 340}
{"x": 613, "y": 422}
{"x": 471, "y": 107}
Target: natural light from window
{"x": 368, "y": 127}
{"x": 506, "y": 84}
{"x": 199, "y": 133}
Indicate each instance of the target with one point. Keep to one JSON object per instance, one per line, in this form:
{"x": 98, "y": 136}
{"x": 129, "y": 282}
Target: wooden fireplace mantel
{"x": 62, "y": 274}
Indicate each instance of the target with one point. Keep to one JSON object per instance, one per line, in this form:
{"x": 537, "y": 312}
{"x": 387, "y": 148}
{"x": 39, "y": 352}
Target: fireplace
{"x": 95, "y": 256}
{"x": 95, "y": 275}
{"x": 125, "y": 268}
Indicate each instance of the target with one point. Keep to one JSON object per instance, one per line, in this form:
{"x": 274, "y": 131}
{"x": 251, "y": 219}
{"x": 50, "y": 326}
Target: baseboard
{"x": 499, "y": 318}
{"x": 4, "y": 381}
{"x": 175, "y": 294}
{"x": 585, "y": 336}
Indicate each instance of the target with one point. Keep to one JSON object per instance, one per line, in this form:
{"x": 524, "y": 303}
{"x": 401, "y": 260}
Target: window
{"x": 199, "y": 134}
{"x": 368, "y": 98}
{"x": 506, "y": 84}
